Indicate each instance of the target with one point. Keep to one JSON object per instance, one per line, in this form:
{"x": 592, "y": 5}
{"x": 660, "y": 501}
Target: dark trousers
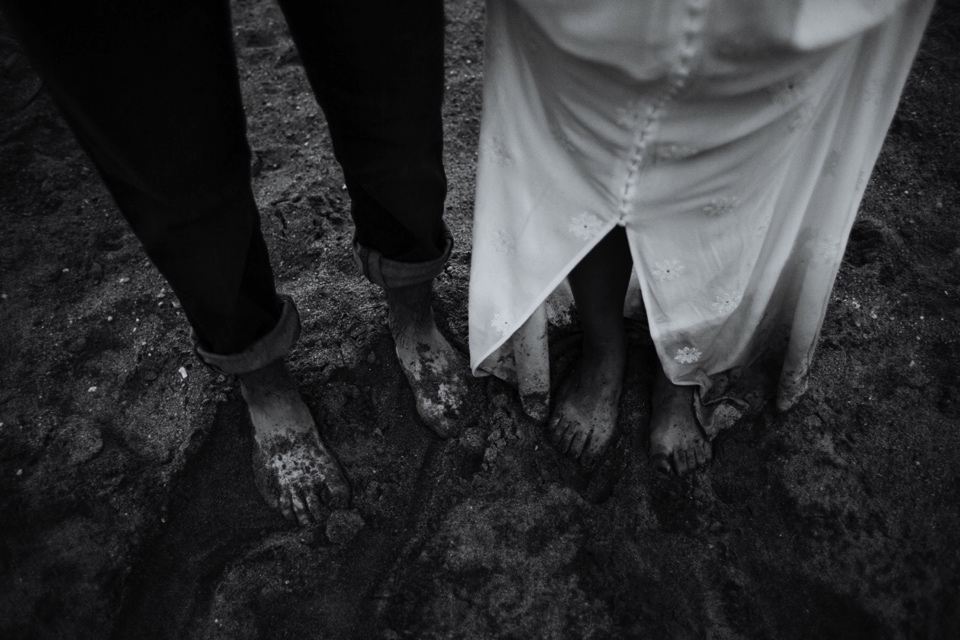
{"x": 150, "y": 88}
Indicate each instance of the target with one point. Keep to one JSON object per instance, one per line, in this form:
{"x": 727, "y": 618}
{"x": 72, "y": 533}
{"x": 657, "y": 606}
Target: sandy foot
{"x": 294, "y": 471}
{"x": 584, "y": 416}
{"x": 435, "y": 370}
{"x": 676, "y": 439}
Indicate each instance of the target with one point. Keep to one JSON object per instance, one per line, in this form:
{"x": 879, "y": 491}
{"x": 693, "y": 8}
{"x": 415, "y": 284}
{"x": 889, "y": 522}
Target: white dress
{"x": 732, "y": 139}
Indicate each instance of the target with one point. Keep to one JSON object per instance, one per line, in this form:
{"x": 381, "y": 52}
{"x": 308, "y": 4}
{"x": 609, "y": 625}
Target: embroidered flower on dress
{"x": 585, "y": 225}
{"x": 719, "y": 205}
{"x": 801, "y": 116}
{"x": 501, "y": 322}
{"x": 726, "y": 301}
{"x": 668, "y": 270}
{"x": 503, "y": 244}
{"x": 497, "y": 151}
{"x": 688, "y": 355}
{"x": 828, "y": 248}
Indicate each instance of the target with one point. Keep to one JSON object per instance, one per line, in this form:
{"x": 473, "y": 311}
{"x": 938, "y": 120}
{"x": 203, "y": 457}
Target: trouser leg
{"x": 150, "y": 89}
{"x": 376, "y": 67}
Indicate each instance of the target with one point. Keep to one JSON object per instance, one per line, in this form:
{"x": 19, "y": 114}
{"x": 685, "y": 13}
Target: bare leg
{"x": 676, "y": 438}
{"x": 585, "y": 412}
{"x": 293, "y": 469}
{"x": 434, "y": 369}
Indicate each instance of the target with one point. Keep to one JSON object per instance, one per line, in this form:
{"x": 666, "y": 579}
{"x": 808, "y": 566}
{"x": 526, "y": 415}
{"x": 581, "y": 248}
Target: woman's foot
{"x": 584, "y": 416}
{"x": 435, "y": 370}
{"x": 293, "y": 469}
{"x": 676, "y": 439}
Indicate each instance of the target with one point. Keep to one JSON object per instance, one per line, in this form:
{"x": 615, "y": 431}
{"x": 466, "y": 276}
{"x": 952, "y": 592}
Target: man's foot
{"x": 293, "y": 469}
{"x": 676, "y": 439}
{"x": 585, "y": 412}
{"x": 435, "y": 370}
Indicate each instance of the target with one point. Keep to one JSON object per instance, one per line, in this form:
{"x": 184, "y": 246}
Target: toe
{"x": 698, "y": 453}
{"x": 680, "y": 460}
{"x": 597, "y": 445}
{"x": 566, "y": 439}
{"x": 661, "y": 462}
{"x": 660, "y": 456}
{"x": 555, "y": 435}
{"x": 270, "y": 493}
{"x": 554, "y": 427}
{"x": 314, "y": 505}
{"x": 578, "y": 443}
{"x": 286, "y": 505}
{"x": 690, "y": 459}
{"x": 299, "y": 506}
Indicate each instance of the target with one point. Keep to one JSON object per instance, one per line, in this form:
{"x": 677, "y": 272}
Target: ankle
{"x": 269, "y": 381}
{"x": 410, "y": 311}
{"x": 605, "y": 351}
{"x": 670, "y": 397}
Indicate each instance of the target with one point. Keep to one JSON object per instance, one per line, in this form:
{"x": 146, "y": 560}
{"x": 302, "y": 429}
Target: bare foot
{"x": 585, "y": 412}
{"x": 676, "y": 439}
{"x": 435, "y": 370}
{"x": 293, "y": 469}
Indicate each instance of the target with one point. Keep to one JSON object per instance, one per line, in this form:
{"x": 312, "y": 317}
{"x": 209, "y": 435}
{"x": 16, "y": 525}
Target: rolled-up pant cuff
{"x": 271, "y": 347}
{"x": 393, "y": 274}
